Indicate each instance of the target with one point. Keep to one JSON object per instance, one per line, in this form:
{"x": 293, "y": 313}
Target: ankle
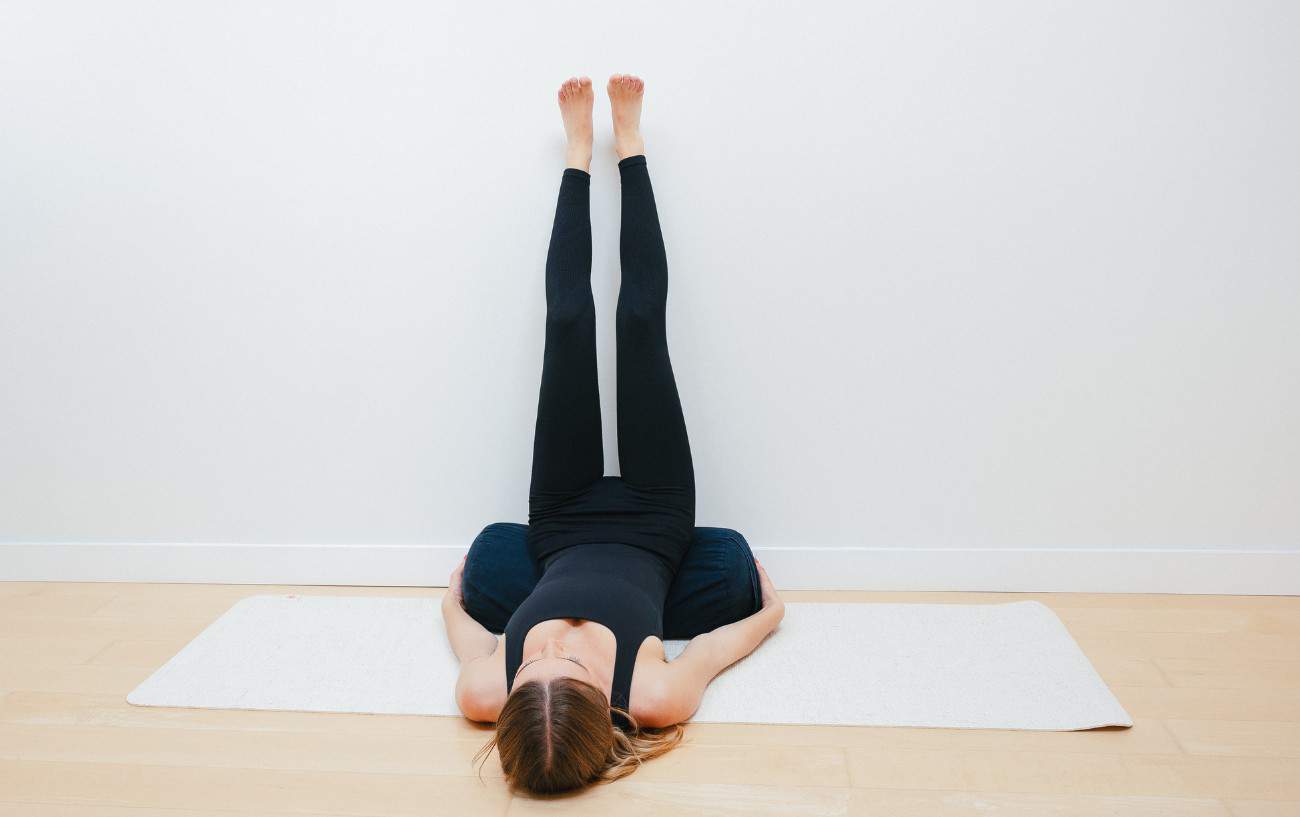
{"x": 578, "y": 157}
{"x": 629, "y": 146}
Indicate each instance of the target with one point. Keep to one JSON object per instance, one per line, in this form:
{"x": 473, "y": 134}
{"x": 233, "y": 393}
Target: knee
{"x": 639, "y": 311}
{"x": 498, "y": 574}
{"x": 566, "y": 310}
{"x": 736, "y": 562}
{"x": 496, "y": 540}
{"x": 497, "y": 533}
{"x": 741, "y": 567}
{"x": 733, "y": 546}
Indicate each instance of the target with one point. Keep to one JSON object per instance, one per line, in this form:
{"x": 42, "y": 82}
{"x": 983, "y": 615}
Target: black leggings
{"x": 654, "y": 452}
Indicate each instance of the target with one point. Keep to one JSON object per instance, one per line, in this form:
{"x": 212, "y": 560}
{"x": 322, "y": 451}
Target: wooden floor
{"x": 1212, "y": 682}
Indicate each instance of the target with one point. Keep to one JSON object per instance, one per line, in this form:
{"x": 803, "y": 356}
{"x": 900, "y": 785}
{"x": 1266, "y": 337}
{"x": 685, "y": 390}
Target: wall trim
{"x": 1093, "y": 570}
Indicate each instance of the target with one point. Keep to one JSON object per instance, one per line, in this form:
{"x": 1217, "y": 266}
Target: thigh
{"x": 654, "y": 448}
{"x": 716, "y": 584}
{"x": 499, "y": 574}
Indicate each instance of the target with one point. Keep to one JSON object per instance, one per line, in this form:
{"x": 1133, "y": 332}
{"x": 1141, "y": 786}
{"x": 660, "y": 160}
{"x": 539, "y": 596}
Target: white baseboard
{"x": 1242, "y": 572}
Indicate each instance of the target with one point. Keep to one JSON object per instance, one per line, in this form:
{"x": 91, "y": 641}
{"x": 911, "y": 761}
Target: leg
{"x": 716, "y": 584}
{"x": 499, "y": 574}
{"x": 653, "y": 447}
{"x": 567, "y": 449}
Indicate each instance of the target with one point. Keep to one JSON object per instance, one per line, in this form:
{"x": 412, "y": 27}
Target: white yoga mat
{"x": 1008, "y": 666}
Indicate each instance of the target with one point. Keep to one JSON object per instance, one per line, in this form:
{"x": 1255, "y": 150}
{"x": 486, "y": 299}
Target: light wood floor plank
{"x": 76, "y": 709}
{"x": 72, "y": 678}
{"x": 1125, "y": 671}
{"x": 250, "y": 790}
{"x": 52, "y": 600}
{"x": 1263, "y": 808}
{"x": 1227, "y": 673}
{"x": 1146, "y": 737}
{"x": 109, "y": 627}
{"x": 878, "y": 803}
{"x": 59, "y": 651}
{"x": 1182, "y": 620}
{"x": 1112, "y": 775}
{"x": 285, "y": 751}
{"x": 750, "y": 765}
{"x": 1242, "y": 738}
{"x": 82, "y": 810}
{"x": 1233, "y": 646}
{"x": 638, "y": 798}
{"x": 1208, "y": 704}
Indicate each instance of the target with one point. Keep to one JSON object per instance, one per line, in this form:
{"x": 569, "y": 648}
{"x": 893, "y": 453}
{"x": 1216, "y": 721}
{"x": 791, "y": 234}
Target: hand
{"x": 770, "y": 597}
{"x": 454, "y": 583}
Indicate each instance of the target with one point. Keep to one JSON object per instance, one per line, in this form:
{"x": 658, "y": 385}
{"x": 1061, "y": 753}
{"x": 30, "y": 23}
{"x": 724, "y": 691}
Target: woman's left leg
{"x": 568, "y": 453}
{"x": 653, "y": 447}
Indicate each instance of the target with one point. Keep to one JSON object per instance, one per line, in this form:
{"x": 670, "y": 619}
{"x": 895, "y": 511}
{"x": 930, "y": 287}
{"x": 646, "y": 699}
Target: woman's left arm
{"x": 682, "y": 685}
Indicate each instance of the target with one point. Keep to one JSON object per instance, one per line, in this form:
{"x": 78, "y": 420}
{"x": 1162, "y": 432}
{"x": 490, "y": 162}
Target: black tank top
{"x": 621, "y": 586}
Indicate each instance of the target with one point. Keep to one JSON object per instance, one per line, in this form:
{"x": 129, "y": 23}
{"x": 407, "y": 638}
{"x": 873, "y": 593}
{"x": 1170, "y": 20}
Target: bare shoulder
{"x": 481, "y": 687}
{"x": 665, "y": 692}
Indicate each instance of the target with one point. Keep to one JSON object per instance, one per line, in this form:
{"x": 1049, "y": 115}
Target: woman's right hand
{"x": 770, "y": 597}
{"x": 454, "y": 583}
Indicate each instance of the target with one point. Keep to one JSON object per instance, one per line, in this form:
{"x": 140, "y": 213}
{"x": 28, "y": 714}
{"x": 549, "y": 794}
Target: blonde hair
{"x": 557, "y": 735}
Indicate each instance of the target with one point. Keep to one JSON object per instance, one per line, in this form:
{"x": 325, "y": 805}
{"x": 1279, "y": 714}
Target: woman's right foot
{"x": 576, "y": 98}
{"x": 625, "y": 93}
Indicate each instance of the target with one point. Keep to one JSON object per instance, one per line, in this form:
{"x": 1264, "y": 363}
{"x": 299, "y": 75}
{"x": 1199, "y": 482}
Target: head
{"x": 554, "y": 734}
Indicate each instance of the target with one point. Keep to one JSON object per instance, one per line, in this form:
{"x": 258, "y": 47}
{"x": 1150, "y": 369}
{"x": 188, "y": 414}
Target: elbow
{"x": 475, "y": 706}
{"x": 665, "y": 707}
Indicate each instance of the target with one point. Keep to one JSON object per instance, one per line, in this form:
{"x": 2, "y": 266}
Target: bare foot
{"x": 625, "y": 93}
{"x": 576, "y": 98}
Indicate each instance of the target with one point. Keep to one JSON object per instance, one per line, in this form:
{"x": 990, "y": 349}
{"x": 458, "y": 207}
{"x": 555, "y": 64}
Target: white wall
{"x": 943, "y": 275}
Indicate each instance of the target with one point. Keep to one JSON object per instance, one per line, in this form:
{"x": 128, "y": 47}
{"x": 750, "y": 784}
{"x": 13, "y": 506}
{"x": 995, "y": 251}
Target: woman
{"x": 579, "y": 687}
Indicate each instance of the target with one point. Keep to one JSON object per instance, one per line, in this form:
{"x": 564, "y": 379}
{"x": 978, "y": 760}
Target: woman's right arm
{"x": 469, "y": 639}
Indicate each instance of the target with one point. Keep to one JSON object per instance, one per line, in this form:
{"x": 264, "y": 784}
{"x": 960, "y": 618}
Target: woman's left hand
{"x": 770, "y": 597}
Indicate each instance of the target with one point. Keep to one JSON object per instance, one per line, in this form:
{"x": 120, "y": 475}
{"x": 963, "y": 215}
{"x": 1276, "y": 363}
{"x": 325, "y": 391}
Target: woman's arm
{"x": 480, "y": 687}
{"x": 682, "y": 687}
{"x": 469, "y": 639}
